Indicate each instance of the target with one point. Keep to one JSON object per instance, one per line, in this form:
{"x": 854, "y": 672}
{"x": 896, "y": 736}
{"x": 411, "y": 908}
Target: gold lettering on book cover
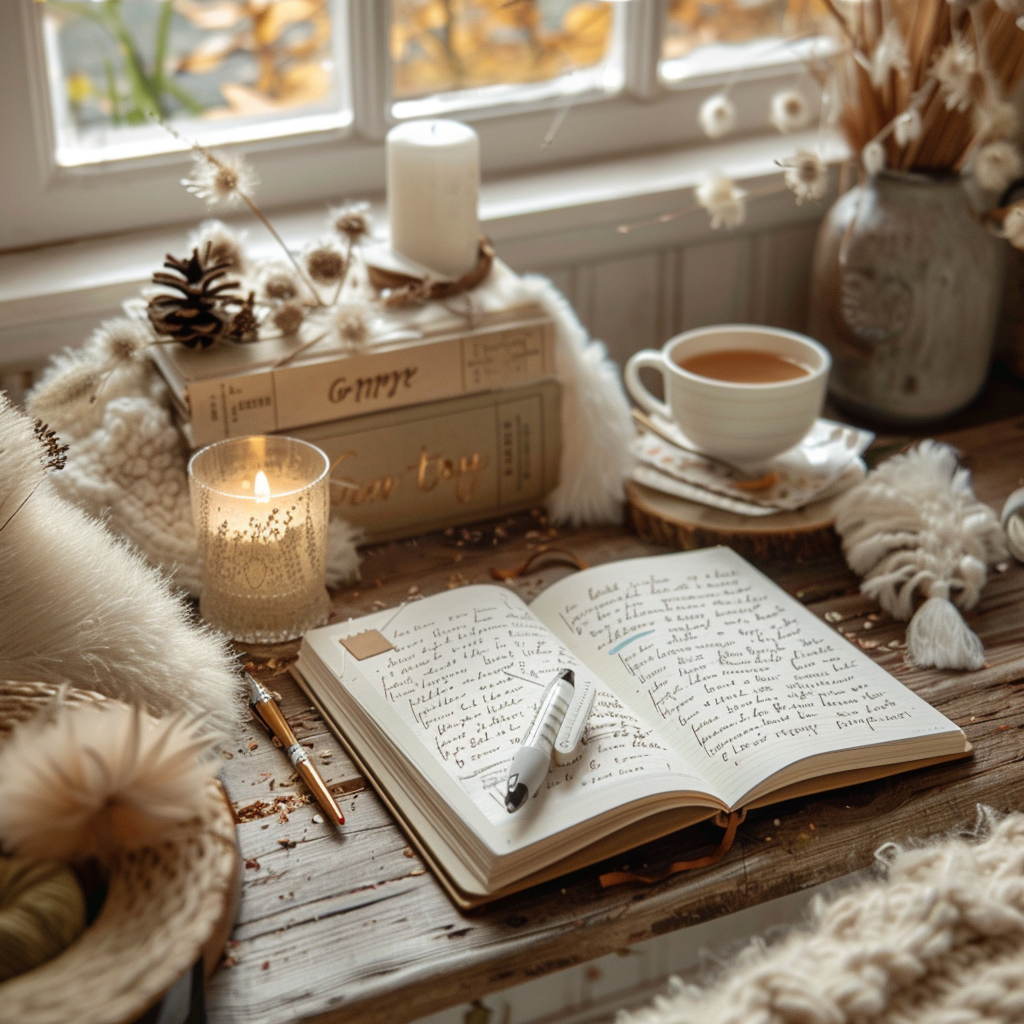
{"x": 465, "y": 471}
{"x": 348, "y": 491}
{"x": 431, "y": 469}
{"x": 371, "y": 388}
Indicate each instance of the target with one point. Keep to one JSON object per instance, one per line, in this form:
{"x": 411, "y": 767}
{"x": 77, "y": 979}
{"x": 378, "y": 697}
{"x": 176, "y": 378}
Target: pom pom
{"x": 42, "y": 911}
{"x": 351, "y": 220}
{"x": 806, "y": 175}
{"x": 219, "y": 245}
{"x": 97, "y": 781}
{"x": 326, "y": 264}
{"x": 353, "y": 324}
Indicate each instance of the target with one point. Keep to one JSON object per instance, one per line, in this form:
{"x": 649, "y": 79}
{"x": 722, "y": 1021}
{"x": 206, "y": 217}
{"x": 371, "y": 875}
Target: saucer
{"x": 825, "y": 463}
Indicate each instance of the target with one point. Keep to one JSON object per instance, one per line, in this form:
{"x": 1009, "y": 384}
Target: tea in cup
{"x": 738, "y": 392}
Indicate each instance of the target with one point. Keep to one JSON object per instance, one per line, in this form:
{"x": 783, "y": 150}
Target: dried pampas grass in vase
{"x": 97, "y": 781}
{"x": 908, "y": 267}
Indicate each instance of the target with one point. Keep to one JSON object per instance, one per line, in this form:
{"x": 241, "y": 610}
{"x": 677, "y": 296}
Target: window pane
{"x": 445, "y": 46}
{"x": 207, "y": 65}
{"x": 719, "y": 26}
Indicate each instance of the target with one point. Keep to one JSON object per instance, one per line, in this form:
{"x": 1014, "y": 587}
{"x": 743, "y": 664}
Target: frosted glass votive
{"x": 260, "y": 506}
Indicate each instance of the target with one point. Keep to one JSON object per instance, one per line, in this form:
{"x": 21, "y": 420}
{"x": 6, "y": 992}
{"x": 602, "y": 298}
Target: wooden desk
{"x": 348, "y": 926}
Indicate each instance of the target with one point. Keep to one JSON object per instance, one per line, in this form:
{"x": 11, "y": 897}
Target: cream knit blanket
{"x": 938, "y": 940}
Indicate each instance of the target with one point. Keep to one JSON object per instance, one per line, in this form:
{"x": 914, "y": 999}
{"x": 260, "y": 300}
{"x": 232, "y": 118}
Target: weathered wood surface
{"x": 348, "y": 926}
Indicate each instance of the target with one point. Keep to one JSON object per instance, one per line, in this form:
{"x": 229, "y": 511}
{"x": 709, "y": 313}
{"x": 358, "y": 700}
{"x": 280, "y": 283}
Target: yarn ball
{"x": 42, "y": 911}
{"x": 96, "y": 781}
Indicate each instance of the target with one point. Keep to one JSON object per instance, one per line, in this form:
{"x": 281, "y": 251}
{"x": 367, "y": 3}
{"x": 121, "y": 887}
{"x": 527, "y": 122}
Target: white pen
{"x": 533, "y": 758}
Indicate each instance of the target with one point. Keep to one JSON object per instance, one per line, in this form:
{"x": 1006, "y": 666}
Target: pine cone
{"x": 199, "y": 315}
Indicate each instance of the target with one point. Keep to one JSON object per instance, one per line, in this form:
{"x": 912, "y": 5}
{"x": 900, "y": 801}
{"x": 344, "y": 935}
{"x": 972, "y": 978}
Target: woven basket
{"x": 164, "y": 905}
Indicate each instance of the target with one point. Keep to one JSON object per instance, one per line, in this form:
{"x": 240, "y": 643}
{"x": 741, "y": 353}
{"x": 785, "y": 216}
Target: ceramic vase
{"x": 905, "y": 294}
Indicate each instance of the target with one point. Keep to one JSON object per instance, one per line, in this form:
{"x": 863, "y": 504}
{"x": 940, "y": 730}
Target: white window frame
{"x": 41, "y": 202}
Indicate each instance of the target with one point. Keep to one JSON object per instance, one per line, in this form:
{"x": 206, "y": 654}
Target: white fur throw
{"x": 76, "y": 605}
{"x": 597, "y": 428}
{"x": 127, "y": 463}
{"x": 939, "y": 940}
{"x": 914, "y": 530}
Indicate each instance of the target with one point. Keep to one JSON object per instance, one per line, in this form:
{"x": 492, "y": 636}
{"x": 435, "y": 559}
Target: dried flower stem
{"x": 56, "y": 458}
{"x": 841, "y": 21}
{"x": 21, "y": 506}
{"x": 211, "y": 158}
{"x": 302, "y": 348}
{"x": 262, "y": 217}
{"x": 556, "y": 122}
{"x": 344, "y": 273}
{"x": 683, "y": 211}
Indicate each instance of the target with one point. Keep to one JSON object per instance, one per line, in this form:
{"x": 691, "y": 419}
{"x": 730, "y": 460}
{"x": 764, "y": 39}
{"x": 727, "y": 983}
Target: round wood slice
{"x": 677, "y": 523}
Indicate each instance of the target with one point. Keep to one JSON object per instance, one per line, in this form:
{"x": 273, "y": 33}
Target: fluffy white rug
{"x": 77, "y": 605}
{"x": 939, "y": 940}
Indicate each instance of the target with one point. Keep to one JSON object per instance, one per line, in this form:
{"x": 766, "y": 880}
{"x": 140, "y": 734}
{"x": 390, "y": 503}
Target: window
{"x": 452, "y": 54}
{"x": 705, "y": 35}
{"x": 309, "y": 88}
{"x": 260, "y": 68}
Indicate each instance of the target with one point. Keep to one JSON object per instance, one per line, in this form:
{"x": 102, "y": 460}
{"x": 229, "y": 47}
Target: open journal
{"x": 716, "y": 690}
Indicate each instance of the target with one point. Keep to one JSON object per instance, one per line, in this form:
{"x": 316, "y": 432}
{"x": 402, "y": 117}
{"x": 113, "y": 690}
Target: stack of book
{"x": 440, "y": 420}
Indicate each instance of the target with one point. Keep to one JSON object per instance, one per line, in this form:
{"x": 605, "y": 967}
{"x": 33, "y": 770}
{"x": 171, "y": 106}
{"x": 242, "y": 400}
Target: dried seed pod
{"x": 244, "y": 324}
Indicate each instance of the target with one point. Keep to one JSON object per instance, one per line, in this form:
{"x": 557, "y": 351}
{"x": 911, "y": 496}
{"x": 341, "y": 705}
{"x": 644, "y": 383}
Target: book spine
{"x": 291, "y": 396}
{"x": 447, "y": 463}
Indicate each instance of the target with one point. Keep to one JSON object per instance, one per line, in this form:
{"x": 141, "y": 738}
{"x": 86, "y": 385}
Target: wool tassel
{"x": 914, "y": 530}
{"x": 938, "y": 636}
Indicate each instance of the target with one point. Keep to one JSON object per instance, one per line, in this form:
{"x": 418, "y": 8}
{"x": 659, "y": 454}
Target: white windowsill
{"x": 536, "y": 220}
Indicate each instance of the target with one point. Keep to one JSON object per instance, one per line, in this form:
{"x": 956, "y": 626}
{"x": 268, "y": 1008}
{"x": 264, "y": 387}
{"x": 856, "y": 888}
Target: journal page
{"x": 742, "y": 678}
{"x": 456, "y": 692}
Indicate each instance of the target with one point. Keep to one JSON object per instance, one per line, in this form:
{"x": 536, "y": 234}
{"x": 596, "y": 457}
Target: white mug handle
{"x": 635, "y": 386}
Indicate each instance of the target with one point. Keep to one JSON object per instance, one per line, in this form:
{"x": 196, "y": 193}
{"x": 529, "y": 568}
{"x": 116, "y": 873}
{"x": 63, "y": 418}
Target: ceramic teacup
{"x": 743, "y": 423}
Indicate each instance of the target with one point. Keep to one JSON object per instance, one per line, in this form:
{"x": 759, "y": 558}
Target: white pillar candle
{"x": 260, "y": 506}
{"x": 433, "y": 188}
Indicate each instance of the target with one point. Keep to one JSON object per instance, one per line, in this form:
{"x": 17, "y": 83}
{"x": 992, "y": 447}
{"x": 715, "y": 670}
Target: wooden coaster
{"x": 677, "y": 523}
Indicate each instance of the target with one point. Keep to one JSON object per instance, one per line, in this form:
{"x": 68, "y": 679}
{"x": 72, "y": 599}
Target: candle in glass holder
{"x": 433, "y": 188}
{"x": 260, "y": 506}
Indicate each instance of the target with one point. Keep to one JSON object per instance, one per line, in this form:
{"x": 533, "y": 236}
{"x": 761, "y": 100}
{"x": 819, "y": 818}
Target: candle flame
{"x": 261, "y": 486}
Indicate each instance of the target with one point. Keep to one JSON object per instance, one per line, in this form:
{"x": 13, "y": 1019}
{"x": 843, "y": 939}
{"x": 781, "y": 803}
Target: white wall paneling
{"x": 625, "y": 306}
{"x": 715, "y": 282}
{"x": 642, "y": 299}
{"x": 782, "y": 270}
